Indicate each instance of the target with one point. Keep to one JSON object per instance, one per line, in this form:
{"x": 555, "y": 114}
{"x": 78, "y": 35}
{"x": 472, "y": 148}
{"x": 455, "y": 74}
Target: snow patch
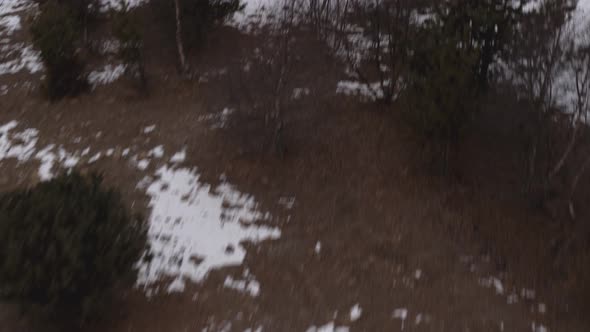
{"x": 94, "y": 158}
{"x": 105, "y": 75}
{"x": 318, "y": 247}
{"x": 157, "y": 152}
{"x": 538, "y": 327}
{"x": 402, "y": 314}
{"x": 371, "y": 91}
{"x": 22, "y": 146}
{"x": 14, "y": 6}
{"x": 195, "y": 228}
{"x": 149, "y": 129}
{"x": 330, "y": 327}
{"x": 247, "y": 285}
{"x": 23, "y": 58}
{"x": 492, "y": 282}
{"x": 178, "y": 157}
{"x": 355, "y": 312}
{"x": 9, "y": 24}
{"x": 142, "y": 164}
{"x": 106, "y": 5}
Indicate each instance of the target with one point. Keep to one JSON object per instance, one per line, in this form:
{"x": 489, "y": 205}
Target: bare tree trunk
{"x": 577, "y": 178}
{"x": 179, "y": 44}
{"x": 565, "y": 154}
{"x": 531, "y": 166}
{"x": 580, "y": 173}
{"x": 284, "y": 53}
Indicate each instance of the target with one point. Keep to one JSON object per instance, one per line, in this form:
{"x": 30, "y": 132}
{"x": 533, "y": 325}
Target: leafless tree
{"x": 381, "y": 53}
{"x": 535, "y": 63}
{"x": 578, "y": 60}
{"x": 262, "y": 91}
{"x": 328, "y": 19}
{"x": 577, "y": 69}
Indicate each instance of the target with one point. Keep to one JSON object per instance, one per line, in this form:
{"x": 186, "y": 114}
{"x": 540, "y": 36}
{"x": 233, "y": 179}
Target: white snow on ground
{"x": 9, "y": 24}
{"x": 13, "y": 6}
{"x": 22, "y": 58}
{"x": 401, "y": 314}
{"x": 15, "y": 56}
{"x": 105, "y": 75}
{"x": 178, "y": 157}
{"x": 355, "y": 312}
{"x": 330, "y": 327}
{"x": 259, "y": 329}
{"x": 142, "y": 164}
{"x": 318, "y": 247}
{"x": 149, "y": 129}
{"x": 492, "y": 282}
{"x": 538, "y": 327}
{"x": 370, "y": 91}
{"x": 246, "y": 285}
{"x": 116, "y": 4}
{"x": 94, "y": 158}
{"x": 195, "y": 228}
{"x": 22, "y": 146}
{"x": 157, "y": 152}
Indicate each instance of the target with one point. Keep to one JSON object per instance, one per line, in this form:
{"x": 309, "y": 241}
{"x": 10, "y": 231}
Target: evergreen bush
{"x": 66, "y": 244}
{"x": 55, "y": 33}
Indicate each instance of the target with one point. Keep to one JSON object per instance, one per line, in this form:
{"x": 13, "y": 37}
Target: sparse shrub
{"x": 126, "y": 31}
{"x": 189, "y": 21}
{"x": 83, "y": 10}
{"x": 65, "y": 244}
{"x": 55, "y": 33}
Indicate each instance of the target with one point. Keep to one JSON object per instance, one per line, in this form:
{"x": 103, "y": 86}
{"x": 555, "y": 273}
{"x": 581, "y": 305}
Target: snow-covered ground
{"x": 105, "y": 75}
{"x": 195, "y": 228}
{"x": 21, "y": 145}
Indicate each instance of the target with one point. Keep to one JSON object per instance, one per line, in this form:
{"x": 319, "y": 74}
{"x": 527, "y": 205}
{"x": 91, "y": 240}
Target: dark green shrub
{"x": 55, "y": 33}
{"x": 66, "y": 243}
{"x": 443, "y": 87}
